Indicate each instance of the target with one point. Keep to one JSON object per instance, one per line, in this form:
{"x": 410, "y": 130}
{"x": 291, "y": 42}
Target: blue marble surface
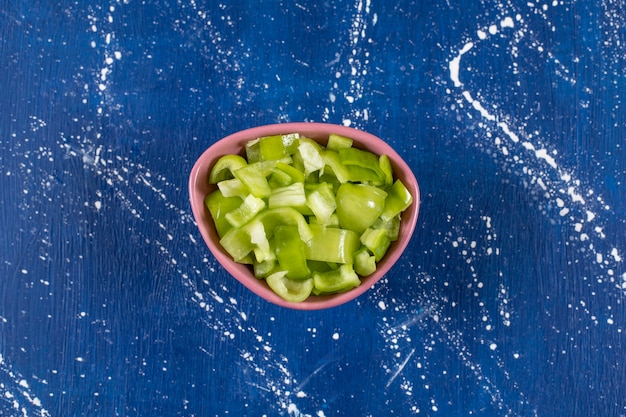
{"x": 509, "y": 300}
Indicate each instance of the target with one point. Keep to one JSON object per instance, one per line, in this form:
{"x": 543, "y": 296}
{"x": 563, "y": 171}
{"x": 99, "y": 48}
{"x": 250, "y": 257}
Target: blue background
{"x": 509, "y": 300}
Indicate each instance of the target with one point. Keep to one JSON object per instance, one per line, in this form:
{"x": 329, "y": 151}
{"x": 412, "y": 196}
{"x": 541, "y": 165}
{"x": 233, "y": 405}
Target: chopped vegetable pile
{"x": 308, "y": 219}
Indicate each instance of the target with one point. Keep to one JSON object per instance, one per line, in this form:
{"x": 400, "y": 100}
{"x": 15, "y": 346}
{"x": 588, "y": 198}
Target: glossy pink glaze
{"x": 199, "y": 187}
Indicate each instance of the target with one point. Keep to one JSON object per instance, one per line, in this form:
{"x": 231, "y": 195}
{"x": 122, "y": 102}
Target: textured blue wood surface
{"x": 508, "y": 302}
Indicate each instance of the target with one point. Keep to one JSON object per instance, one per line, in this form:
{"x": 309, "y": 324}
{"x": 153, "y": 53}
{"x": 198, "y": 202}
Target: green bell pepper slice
{"x": 225, "y": 166}
{"x": 279, "y": 179}
{"x": 361, "y": 158}
{"x": 271, "y": 148}
{"x": 253, "y": 151}
{"x": 364, "y": 262}
{"x": 284, "y": 174}
{"x": 276, "y": 147}
{"x": 254, "y": 177}
{"x": 359, "y": 205}
{"x": 338, "y": 170}
{"x": 376, "y": 241}
{"x": 310, "y": 152}
{"x": 338, "y": 280}
{"x": 336, "y": 142}
{"x": 331, "y": 244}
{"x": 392, "y": 226}
{"x": 265, "y": 268}
{"x": 249, "y": 208}
{"x": 295, "y": 174}
{"x": 284, "y": 216}
{"x": 219, "y": 205}
{"x": 319, "y": 266}
{"x": 321, "y": 201}
{"x": 259, "y": 238}
{"x": 254, "y": 236}
{"x": 359, "y": 174}
{"x": 293, "y": 290}
{"x": 233, "y": 188}
{"x": 385, "y": 166}
{"x": 290, "y": 252}
{"x": 354, "y": 172}
{"x": 398, "y": 199}
{"x": 290, "y": 196}
{"x": 237, "y": 243}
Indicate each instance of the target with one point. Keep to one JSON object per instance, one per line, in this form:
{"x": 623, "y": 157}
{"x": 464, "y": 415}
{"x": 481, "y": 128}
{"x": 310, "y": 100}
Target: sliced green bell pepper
{"x": 290, "y": 252}
{"x": 359, "y": 205}
{"x": 398, "y": 199}
{"x": 293, "y": 290}
{"x": 392, "y": 226}
{"x": 290, "y": 196}
{"x": 253, "y": 150}
{"x": 361, "y": 158}
{"x": 218, "y": 206}
{"x": 259, "y": 238}
{"x": 357, "y": 172}
{"x": 331, "y": 244}
{"x": 385, "y": 166}
{"x": 321, "y": 201}
{"x": 376, "y": 241}
{"x": 311, "y": 157}
{"x": 320, "y": 231}
{"x": 281, "y": 216}
{"x": 254, "y": 236}
{"x": 233, "y": 188}
{"x": 331, "y": 160}
{"x": 284, "y": 174}
{"x": 296, "y": 175}
{"x": 319, "y": 266}
{"x": 265, "y": 268}
{"x": 277, "y": 146}
{"x": 254, "y": 177}
{"x": 237, "y": 243}
{"x": 225, "y": 166}
{"x": 336, "y": 142}
{"x": 364, "y": 262}
{"x": 246, "y": 211}
{"x": 271, "y": 148}
{"x": 338, "y": 280}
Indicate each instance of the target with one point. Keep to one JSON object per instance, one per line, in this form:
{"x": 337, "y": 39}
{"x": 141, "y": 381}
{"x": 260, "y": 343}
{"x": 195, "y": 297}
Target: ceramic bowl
{"x": 199, "y": 187}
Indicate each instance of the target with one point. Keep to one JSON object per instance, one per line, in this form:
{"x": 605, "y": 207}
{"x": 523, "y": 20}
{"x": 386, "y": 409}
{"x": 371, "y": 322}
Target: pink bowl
{"x": 199, "y": 187}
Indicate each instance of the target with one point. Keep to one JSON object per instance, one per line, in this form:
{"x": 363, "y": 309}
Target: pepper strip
{"x": 331, "y": 244}
{"x": 290, "y": 252}
{"x": 361, "y": 158}
{"x": 225, "y": 166}
{"x": 376, "y": 241}
{"x": 219, "y": 205}
{"x": 277, "y": 146}
{"x": 290, "y": 289}
{"x": 238, "y": 241}
{"x": 398, "y": 199}
{"x": 337, "y": 280}
{"x": 321, "y": 201}
{"x": 253, "y": 176}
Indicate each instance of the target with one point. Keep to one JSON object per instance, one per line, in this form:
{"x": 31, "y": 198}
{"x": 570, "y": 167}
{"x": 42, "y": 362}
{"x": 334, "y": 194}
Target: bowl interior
{"x": 199, "y": 187}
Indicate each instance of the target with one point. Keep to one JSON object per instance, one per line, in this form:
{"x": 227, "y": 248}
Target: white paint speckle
{"x": 615, "y": 255}
{"x": 507, "y": 22}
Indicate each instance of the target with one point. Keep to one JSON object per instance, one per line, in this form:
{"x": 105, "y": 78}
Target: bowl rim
{"x": 198, "y": 186}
